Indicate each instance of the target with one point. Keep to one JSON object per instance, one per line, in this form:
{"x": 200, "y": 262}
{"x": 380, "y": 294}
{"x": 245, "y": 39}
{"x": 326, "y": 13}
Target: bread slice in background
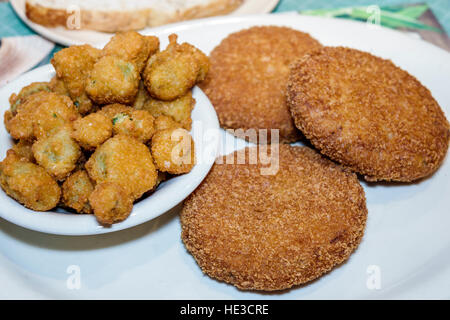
{"x": 123, "y": 15}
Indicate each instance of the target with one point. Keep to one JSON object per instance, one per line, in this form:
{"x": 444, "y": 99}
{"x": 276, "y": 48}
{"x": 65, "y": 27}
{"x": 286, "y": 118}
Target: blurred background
{"x": 26, "y": 44}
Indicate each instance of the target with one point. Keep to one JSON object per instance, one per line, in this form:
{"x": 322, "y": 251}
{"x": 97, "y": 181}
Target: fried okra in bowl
{"x": 88, "y": 148}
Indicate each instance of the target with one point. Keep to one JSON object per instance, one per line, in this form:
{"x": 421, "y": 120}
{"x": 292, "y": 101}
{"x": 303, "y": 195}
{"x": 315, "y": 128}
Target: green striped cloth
{"x": 440, "y": 8}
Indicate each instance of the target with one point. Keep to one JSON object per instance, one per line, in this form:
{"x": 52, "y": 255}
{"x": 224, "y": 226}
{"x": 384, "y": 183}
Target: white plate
{"x": 405, "y": 246}
{"x": 71, "y": 37}
{"x": 167, "y": 195}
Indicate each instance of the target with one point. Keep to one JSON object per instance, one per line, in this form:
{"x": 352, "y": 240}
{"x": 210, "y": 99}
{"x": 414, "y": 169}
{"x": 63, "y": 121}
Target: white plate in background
{"x": 70, "y": 37}
{"x": 404, "y": 250}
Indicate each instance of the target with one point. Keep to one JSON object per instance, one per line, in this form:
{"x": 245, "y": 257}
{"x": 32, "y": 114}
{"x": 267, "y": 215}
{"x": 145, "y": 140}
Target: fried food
{"x": 55, "y": 113}
{"x": 41, "y": 115}
{"x": 138, "y": 124}
{"x": 57, "y": 86}
{"x": 125, "y": 161}
{"x": 28, "y": 183}
{"x": 110, "y": 203}
{"x": 92, "y": 130}
{"x": 16, "y": 99}
{"x": 58, "y": 153}
{"x": 73, "y": 66}
{"x": 111, "y": 110}
{"x": 87, "y": 132}
{"x": 165, "y": 122}
{"x": 247, "y": 80}
{"x": 368, "y": 114}
{"x": 76, "y": 190}
{"x": 23, "y": 149}
{"x": 113, "y": 80}
{"x": 179, "y": 109}
{"x": 173, "y": 151}
{"x": 169, "y": 74}
{"x": 133, "y": 47}
{"x": 272, "y": 232}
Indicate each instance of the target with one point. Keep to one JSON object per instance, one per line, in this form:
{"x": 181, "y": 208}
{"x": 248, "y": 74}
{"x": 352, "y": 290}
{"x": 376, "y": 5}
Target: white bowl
{"x": 205, "y": 132}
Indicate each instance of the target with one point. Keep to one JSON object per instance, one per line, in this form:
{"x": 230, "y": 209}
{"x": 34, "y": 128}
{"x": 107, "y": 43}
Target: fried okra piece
{"x": 92, "y": 130}
{"x": 58, "y": 153}
{"x": 16, "y": 99}
{"x": 165, "y": 122}
{"x": 138, "y": 124}
{"x": 23, "y": 149}
{"x": 173, "y": 151}
{"x": 111, "y": 110}
{"x": 42, "y": 114}
{"x": 110, "y": 203}
{"x": 169, "y": 74}
{"x": 76, "y": 190}
{"x": 179, "y": 109}
{"x": 51, "y": 118}
{"x": 133, "y": 47}
{"x": 84, "y": 104}
{"x": 28, "y": 183}
{"x": 113, "y": 80}
{"x": 73, "y": 66}
{"x": 57, "y": 86}
{"x": 125, "y": 161}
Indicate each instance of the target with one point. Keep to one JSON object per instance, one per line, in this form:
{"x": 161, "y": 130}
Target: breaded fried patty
{"x": 247, "y": 79}
{"x": 368, "y": 114}
{"x": 271, "y": 232}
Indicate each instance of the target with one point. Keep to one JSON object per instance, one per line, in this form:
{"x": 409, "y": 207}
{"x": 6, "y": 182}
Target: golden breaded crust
{"x": 179, "y": 109}
{"x": 173, "y": 151}
{"x": 165, "y": 122}
{"x": 111, "y": 110}
{"x": 16, "y": 99}
{"x": 125, "y": 161}
{"x": 169, "y": 74}
{"x": 92, "y": 130}
{"x": 76, "y": 190}
{"x": 73, "y": 65}
{"x": 132, "y": 46}
{"x": 368, "y": 114}
{"x": 110, "y": 203}
{"x": 43, "y": 113}
{"x": 272, "y": 232}
{"x": 113, "y": 80}
{"x": 28, "y": 183}
{"x": 138, "y": 124}
{"x": 247, "y": 79}
{"x": 58, "y": 153}
{"x": 57, "y": 86}
{"x": 23, "y": 149}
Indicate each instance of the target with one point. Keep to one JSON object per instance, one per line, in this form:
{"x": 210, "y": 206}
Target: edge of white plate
{"x": 249, "y": 7}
